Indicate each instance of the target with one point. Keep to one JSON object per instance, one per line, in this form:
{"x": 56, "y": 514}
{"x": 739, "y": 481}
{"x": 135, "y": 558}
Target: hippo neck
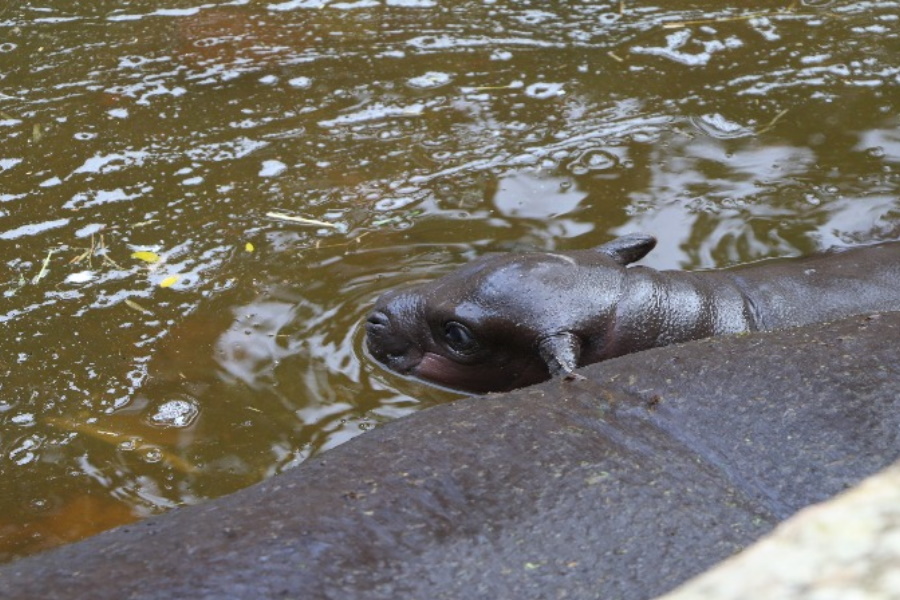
{"x": 659, "y": 308}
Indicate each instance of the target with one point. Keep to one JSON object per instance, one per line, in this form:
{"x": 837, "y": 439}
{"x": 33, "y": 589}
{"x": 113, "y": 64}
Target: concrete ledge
{"x": 844, "y": 549}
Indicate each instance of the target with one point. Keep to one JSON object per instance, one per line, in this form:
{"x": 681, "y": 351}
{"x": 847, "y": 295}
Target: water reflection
{"x": 429, "y": 134}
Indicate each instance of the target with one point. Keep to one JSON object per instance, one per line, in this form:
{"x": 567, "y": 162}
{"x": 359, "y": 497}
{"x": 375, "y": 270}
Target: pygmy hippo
{"x": 507, "y": 321}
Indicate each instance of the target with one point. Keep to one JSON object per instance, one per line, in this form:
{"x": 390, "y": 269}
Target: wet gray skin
{"x": 512, "y": 320}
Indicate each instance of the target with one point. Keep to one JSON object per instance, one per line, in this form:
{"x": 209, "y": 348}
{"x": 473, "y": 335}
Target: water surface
{"x": 173, "y": 332}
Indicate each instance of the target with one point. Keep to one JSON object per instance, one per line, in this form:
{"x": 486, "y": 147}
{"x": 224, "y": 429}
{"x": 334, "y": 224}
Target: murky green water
{"x": 421, "y": 133}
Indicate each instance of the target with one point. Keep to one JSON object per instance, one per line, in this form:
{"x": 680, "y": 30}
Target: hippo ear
{"x": 561, "y": 352}
{"x": 628, "y": 248}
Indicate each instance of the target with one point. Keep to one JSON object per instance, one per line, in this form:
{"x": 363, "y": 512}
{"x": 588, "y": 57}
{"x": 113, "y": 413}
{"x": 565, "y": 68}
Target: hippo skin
{"x": 623, "y": 484}
{"x": 511, "y": 320}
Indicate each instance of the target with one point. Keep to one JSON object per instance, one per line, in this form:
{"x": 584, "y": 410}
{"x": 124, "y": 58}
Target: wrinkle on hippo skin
{"x": 619, "y": 485}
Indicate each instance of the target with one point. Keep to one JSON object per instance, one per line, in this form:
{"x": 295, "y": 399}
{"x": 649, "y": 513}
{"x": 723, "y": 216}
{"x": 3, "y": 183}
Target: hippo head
{"x": 505, "y": 321}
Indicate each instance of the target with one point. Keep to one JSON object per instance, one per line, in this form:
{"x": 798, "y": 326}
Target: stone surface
{"x": 622, "y": 485}
{"x": 844, "y": 549}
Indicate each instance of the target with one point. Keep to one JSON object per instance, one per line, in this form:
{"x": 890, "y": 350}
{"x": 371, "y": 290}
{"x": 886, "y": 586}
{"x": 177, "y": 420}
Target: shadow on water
{"x": 199, "y": 202}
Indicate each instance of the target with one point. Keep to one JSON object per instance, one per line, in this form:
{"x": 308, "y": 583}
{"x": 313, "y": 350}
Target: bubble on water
{"x": 543, "y": 91}
{"x": 431, "y": 79}
{"x": 598, "y": 160}
{"x": 534, "y": 17}
{"x": 175, "y": 413}
{"x": 577, "y": 169}
{"x": 609, "y": 18}
{"x": 152, "y": 455}
{"x": 876, "y": 152}
{"x": 393, "y": 203}
{"x": 812, "y": 200}
{"x": 593, "y": 160}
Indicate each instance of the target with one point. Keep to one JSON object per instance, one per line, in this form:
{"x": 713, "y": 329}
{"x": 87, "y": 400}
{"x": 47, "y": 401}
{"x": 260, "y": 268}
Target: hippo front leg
{"x": 561, "y": 352}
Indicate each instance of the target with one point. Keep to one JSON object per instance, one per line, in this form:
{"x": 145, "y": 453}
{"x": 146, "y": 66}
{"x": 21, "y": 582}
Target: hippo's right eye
{"x": 459, "y": 338}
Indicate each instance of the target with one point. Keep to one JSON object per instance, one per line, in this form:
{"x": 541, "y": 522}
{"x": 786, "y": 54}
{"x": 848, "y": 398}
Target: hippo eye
{"x": 459, "y": 338}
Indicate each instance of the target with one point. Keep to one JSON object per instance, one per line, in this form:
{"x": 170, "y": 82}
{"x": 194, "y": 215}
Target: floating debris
{"x": 145, "y": 223}
{"x": 305, "y": 221}
{"x": 132, "y": 304}
{"x": 146, "y": 256}
{"x": 774, "y": 120}
{"x": 43, "y": 272}
{"x": 169, "y": 281}
{"x": 248, "y": 247}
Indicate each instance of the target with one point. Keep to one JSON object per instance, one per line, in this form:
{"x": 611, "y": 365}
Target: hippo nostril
{"x": 377, "y": 321}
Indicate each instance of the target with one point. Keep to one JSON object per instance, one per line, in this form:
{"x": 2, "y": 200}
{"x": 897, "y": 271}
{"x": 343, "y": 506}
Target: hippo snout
{"x": 388, "y": 345}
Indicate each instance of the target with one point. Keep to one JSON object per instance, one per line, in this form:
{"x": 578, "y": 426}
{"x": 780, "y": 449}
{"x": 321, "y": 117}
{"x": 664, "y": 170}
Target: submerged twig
{"x": 43, "y": 271}
{"x": 774, "y": 120}
{"x": 132, "y": 304}
{"x": 302, "y": 220}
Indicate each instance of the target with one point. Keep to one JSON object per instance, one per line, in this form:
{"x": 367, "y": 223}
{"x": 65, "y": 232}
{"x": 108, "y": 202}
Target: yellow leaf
{"x": 150, "y": 257}
{"x": 248, "y": 247}
{"x": 168, "y": 281}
